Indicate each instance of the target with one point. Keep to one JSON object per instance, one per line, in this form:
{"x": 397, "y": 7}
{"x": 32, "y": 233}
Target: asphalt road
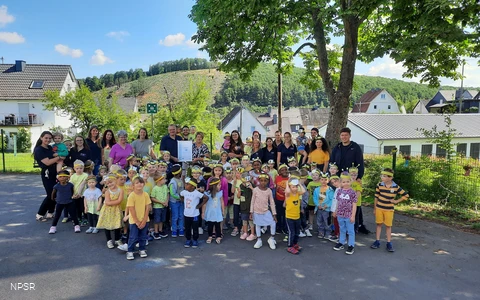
{"x": 431, "y": 262}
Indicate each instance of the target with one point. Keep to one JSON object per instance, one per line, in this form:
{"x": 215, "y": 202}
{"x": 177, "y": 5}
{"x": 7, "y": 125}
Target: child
{"x": 330, "y": 195}
{"x": 214, "y": 210}
{"x": 132, "y": 163}
{"x": 292, "y": 162}
{"x": 138, "y": 206}
{"x": 248, "y": 146}
{"x": 229, "y": 208}
{"x": 218, "y": 173}
{"x": 92, "y": 198}
{"x": 322, "y": 207}
{"x": 260, "y": 214}
{"x": 235, "y": 163}
{"x": 62, "y": 194}
{"x": 176, "y": 206}
{"x": 304, "y": 227}
{"x": 145, "y": 174}
{"x": 59, "y": 148}
{"x": 246, "y": 164}
{"x": 127, "y": 189}
{"x": 226, "y": 142}
{"x": 384, "y": 207}
{"x": 89, "y": 166}
{"x": 224, "y": 160}
{"x": 166, "y": 158}
{"x": 292, "y": 204}
{"x": 357, "y": 187}
{"x": 245, "y": 192}
{"x": 201, "y": 187}
{"x": 273, "y": 172}
{"x": 110, "y": 217}
{"x": 236, "y": 200}
{"x": 332, "y": 169}
{"x": 159, "y": 198}
{"x": 280, "y": 186}
{"x": 343, "y": 208}
{"x": 334, "y": 184}
{"x": 191, "y": 200}
{"x": 102, "y": 171}
{"x": 79, "y": 181}
{"x": 312, "y": 185}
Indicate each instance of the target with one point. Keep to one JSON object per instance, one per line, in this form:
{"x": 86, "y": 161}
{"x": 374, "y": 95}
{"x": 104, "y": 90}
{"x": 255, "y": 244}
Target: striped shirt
{"x": 385, "y": 194}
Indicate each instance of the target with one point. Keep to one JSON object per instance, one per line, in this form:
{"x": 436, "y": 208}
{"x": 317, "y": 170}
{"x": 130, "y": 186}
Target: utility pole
{"x": 280, "y": 102}
{"x": 461, "y": 90}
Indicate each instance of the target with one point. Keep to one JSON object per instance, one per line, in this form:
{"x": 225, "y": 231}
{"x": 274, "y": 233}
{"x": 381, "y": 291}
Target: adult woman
{"x": 80, "y": 150}
{"x": 320, "y": 154}
{"x": 143, "y": 146}
{"x": 108, "y": 140}
{"x": 236, "y": 145}
{"x": 94, "y": 143}
{"x": 278, "y": 139}
{"x": 47, "y": 160}
{"x": 269, "y": 152}
{"x": 256, "y": 150}
{"x": 199, "y": 149}
{"x": 286, "y": 150}
{"x": 120, "y": 151}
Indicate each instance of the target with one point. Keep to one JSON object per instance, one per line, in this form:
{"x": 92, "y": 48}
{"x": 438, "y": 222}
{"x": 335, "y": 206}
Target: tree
{"x": 241, "y": 34}
{"x": 138, "y": 88}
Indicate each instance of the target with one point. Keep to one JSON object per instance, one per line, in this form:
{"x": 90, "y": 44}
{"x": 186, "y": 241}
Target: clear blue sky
{"x": 105, "y": 36}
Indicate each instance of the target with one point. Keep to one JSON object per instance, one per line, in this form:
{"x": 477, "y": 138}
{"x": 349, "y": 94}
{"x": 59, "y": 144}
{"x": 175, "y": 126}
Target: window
{"x": 37, "y": 84}
{"x": 388, "y": 149}
{"x": 462, "y": 149}
{"x": 374, "y": 107}
{"x": 440, "y": 152}
{"x": 382, "y": 96}
{"x": 405, "y": 149}
{"x": 252, "y": 129}
{"x": 427, "y": 149}
{"x": 475, "y": 150}
{"x": 389, "y": 107}
{"x": 69, "y": 88}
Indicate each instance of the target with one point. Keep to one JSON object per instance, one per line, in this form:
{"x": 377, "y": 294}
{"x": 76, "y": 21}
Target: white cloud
{"x": 118, "y": 35}
{"x": 67, "y": 51}
{"x": 192, "y": 44}
{"x": 173, "y": 40}
{"x": 11, "y": 38}
{"x": 5, "y": 18}
{"x": 99, "y": 58}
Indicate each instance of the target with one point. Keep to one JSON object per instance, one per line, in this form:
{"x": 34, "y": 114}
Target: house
{"x": 421, "y": 107}
{"x": 22, "y": 88}
{"x": 376, "y": 101}
{"x": 452, "y": 98}
{"x": 243, "y": 120}
{"x": 380, "y": 133}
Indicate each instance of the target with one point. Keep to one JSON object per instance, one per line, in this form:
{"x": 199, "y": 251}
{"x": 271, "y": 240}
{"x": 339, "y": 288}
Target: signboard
{"x": 185, "y": 151}
{"x": 152, "y": 108}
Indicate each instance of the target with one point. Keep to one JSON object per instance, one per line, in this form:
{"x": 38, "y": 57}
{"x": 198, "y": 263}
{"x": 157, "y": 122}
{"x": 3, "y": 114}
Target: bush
{"x": 24, "y": 140}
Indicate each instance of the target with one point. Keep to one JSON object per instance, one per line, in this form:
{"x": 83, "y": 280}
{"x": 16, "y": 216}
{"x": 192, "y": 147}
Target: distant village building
{"x": 377, "y": 101}
{"x": 469, "y": 99}
{"x": 242, "y": 120}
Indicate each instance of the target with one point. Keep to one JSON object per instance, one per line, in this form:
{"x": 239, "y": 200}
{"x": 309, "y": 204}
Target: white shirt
{"x": 191, "y": 200}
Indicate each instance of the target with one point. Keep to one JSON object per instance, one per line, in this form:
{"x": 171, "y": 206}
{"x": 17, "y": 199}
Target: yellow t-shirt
{"x": 139, "y": 202}
{"x": 318, "y": 156}
{"x": 126, "y": 191}
{"x": 76, "y": 180}
{"x": 357, "y": 187}
{"x": 292, "y": 206}
{"x": 148, "y": 187}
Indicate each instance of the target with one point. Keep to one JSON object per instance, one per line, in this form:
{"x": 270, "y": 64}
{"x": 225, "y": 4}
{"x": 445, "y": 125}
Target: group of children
{"x": 250, "y": 197}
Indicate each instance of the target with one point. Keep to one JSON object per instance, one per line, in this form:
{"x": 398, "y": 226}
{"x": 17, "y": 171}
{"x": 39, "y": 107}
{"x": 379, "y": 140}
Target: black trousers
{"x": 281, "y": 223}
{"x": 92, "y": 219}
{"x": 217, "y": 228}
{"x": 80, "y": 206}
{"x": 108, "y": 234}
{"x": 236, "y": 216}
{"x": 70, "y": 207}
{"x": 358, "y": 218}
{"x": 191, "y": 223}
{"x": 48, "y": 205}
{"x": 293, "y": 231}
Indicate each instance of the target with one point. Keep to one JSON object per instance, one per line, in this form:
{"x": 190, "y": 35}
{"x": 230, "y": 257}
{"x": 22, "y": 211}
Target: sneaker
{"x": 77, "y": 228}
{"x": 150, "y": 237}
{"x": 130, "y": 256}
{"x": 163, "y": 234}
{"x": 363, "y": 229}
{"x": 156, "y": 236}
{"x": 292, "y": 250}
{"x": 272, "y": 243}
{"x": 375, "y": 245}
{"x": 195, "y": 244}
{"x": 310, "y": 227}
{"x": 200, "y": 230}
{"x": 143, "y": 253}
{"x": 350, "y": 250}
{"x": 40, "y": 218}
{"x": 174, "y": 234}
{"x": 251, "y": 237}
{"x": 95, "y": 230}
{"x": 234, "y": 232}
{"x": 326, "y": 237}
{"x": 297, "y": 246}
{"x": 390, "y": 247}
{"x": 285, "y": 239}
{"x": 181, "y": 233}
{"x": 123, "y": 247}
{"x": 333, "y": 238}
{"x": 308, "y": 233}
{"x": 244, "y": 236}
{"x": 258, "y": 244}
{"x": 49, "y": 216}
{"x": 110, "y": 244}
{"x": 84, "y": 223}
{"x": 89, "y": 230}
{"x": 302, "y": 234}
{"x": 321, "y": 235}
{"x": 338, "y": 247}
{"x": 52, "y": 230}
{"x": 64, "y": 220}
{"x": 188, "y": 243}
{"x": 119, "y": 243}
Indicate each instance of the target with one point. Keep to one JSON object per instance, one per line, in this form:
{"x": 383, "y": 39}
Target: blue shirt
{"x": 286, "y": 152}
{"x": 170, "y": 145}
{"x": 64, "y": 193}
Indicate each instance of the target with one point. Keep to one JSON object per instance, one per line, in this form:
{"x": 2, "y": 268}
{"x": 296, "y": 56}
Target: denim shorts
{"x": 159, "y": 215}
{"x": 245, "y": 217}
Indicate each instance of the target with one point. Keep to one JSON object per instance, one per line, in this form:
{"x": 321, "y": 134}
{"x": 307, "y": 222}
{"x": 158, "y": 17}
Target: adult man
{"x": 185, "y": 132}
{"x": 169, "y": 143}
{"x": 313, "y": 134}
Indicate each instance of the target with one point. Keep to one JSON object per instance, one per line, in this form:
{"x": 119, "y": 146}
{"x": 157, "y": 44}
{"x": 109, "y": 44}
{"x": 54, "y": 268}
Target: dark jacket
{"x": 353, "y": 155}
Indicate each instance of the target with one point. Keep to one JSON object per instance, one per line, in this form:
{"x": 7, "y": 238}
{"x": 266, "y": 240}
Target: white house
{"x": 421, "y": 107}
{"x": 380, "y": 133}
{"x": 244, "y": 121}
{"x": 22, "y": 88}
{"x": 376, "y": 102}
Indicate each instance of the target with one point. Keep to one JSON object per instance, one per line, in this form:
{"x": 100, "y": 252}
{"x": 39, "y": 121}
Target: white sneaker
{"x": 308, "y": 233}
{"x": 302, "y": 234}
{"x": 95, "y": 230}
{"x": 258, "y": 244}
{"x": 49, "y": 216}
{"x": 143, "y": 253}
{"x": 110, "y": 244}
{"x": 130, "y": 256}
{"x": 123, "y": 247}
{"x": 310, "y": 227}
{"x": 200, "y": 230}
{"x": 53, "y": 230}
{"x": 89, "y": 230}
{"x": 272, "y": 243}
{"x": 76, "y": 228}
{"x": 119, "y": 243}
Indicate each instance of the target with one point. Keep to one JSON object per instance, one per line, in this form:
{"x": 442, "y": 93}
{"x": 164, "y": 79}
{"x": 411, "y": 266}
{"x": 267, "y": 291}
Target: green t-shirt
{"x": 161, "y": 194}
{"x": 312, "y": 185}
{"x": 357, "y": 187}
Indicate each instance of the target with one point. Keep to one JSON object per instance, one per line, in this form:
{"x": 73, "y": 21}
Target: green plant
{"x": 24, "y": 140}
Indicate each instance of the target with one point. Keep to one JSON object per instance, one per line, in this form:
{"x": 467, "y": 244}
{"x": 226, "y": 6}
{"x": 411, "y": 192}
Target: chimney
{"x": 269, "y": 111}
{"x": 20, "y": 65}
{"x": 275, "y": 119}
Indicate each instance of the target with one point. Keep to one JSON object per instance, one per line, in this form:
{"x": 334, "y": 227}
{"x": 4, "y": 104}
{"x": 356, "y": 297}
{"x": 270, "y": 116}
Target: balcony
{"x": 20, "y": 120}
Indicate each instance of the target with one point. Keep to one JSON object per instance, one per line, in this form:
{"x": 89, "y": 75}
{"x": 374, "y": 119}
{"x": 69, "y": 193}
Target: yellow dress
{"x": 110, "y": 216}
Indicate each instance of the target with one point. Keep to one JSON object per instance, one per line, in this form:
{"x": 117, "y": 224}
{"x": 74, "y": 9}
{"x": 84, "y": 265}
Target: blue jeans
{"x": 176, "y": 208}
{"x": 346, "y": 227}
{"x": 139, "y": 235}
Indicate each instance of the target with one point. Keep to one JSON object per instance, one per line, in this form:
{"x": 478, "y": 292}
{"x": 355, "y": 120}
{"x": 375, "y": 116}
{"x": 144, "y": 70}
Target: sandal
{"x": 209, "y": 240}
{"x": 218, "y": 240}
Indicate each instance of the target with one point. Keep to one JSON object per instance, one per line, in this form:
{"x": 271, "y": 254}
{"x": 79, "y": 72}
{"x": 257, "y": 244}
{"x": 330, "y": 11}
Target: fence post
{"x": 394, "y": 159}
{"x": 211, "y": 143}
{"x": 3, "y": 152}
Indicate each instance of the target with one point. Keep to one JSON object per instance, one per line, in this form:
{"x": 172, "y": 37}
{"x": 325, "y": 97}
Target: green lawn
{"x": 20, "y": 163}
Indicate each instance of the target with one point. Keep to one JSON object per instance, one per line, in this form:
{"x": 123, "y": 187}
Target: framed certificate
{"x": 185, "y": 150}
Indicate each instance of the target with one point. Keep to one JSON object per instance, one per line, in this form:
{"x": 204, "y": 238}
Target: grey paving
{"x": 431, "y": 262}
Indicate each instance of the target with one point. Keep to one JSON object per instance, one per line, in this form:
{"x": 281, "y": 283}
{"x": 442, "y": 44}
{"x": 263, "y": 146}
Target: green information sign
{"x": 152, "y": 108}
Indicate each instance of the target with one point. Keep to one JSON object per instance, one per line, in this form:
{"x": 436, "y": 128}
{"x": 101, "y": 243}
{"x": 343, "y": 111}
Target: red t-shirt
{"x": 281, "y": 183}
